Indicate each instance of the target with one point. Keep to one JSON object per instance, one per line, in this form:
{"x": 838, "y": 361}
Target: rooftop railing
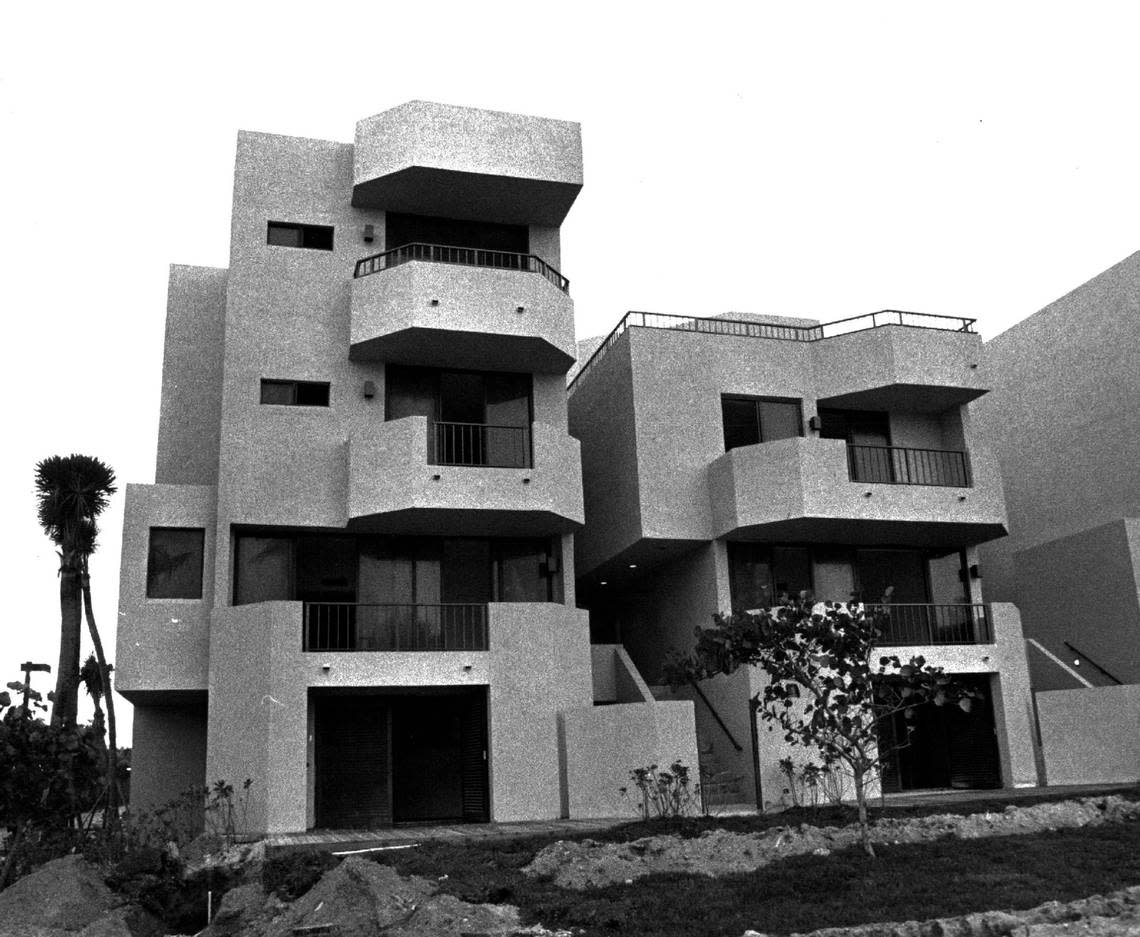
{"x": 464, "y": 256}
{"x": 790, "y": 333}
{"x": 352, "y": 626}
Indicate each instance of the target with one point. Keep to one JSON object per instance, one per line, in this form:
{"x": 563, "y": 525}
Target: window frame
{"x": 756, "y": 400}
{"x": 201, "y": 531}
{"x": 296, "y": 387}
{"x": 306, "y": 232}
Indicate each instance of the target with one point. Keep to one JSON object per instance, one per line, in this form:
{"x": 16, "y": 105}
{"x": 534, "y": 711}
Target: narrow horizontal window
{"x": 174, "y": 563}
{"x": 295, "y": 393}
{"x": 317, "y": 237}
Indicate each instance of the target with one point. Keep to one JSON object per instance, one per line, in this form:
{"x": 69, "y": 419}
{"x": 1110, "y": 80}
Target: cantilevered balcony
{"x": 822, "y": 491}
{"x": 460, "y": 162}
{"x": 443, "y": 306}
{"x": 404, "y": 477}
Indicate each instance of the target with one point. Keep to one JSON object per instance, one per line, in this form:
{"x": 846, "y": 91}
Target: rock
{"x": 65, "y": 894}
{"x": 242, "y": 910}
{"x": 112, "y": 924}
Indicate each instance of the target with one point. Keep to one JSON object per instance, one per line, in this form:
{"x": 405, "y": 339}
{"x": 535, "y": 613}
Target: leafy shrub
{"x": 664, "y": 794}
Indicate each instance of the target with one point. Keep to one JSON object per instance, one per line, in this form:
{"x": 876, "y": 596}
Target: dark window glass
{"x": 451, "y": 232}
{"x": 779, "y": 419}
{"x": 264, "y": 570}
{"x": 295, "y": 393}
{"x": 310, "y": 236}
{"x": 174, "y": 563}
{"x": 522, "y": 571}
{"x": 749, "y": 420}
{"x": 278, "y": 392}
{"x": 760, "y": 575}
{"x": 740, "y": 424}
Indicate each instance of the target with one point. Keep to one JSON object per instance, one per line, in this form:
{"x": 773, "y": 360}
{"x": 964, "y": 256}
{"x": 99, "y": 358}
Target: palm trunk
{"x": 112, "y": 774}
{"x": 65, "y": 706}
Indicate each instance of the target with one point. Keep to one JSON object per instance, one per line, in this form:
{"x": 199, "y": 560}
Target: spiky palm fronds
{"x": 72, "y": 491}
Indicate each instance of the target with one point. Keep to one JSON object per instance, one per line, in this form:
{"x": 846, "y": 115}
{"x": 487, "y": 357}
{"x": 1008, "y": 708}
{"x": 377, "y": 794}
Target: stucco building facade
{"x": 1063, "y": 419}
{"x": 352, "y": 581}
{"x": 727, "y": 461}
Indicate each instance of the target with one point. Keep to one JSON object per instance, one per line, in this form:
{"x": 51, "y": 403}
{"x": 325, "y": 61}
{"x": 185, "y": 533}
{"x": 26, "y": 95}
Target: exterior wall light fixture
{"x": 369, "y": 390}
{"x": 435, "y": 302}
{"x": 521, "y": 309}
{"x": 961, "y": 497}
{"x": 326, "y": 667}
{"x": 435, "y": 478}
{"x": 866, "y": 494}
{"x": 526, "y": 481}
{"x": 369, "y": 234}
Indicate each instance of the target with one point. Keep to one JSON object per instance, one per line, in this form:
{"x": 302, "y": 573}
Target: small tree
{"x": 828, "y": 688}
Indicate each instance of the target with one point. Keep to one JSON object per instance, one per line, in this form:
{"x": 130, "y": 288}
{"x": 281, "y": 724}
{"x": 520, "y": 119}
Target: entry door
{"x": 353, "y": 755}
{"x": 949, "y": 748}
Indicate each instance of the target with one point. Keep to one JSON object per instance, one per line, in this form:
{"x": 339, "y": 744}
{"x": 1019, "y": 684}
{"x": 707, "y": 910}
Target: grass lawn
{"x": 800, "y": 893}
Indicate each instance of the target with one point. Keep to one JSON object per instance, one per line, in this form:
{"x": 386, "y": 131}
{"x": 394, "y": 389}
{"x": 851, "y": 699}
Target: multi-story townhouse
{"x": 727, "y": 461}
{"x": 1063, "y": 419}
{"x": 353, "y": 580}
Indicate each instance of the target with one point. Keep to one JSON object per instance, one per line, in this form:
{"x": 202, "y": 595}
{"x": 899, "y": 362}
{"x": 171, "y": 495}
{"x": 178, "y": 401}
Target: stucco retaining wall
{"x": 1090, "y": 736}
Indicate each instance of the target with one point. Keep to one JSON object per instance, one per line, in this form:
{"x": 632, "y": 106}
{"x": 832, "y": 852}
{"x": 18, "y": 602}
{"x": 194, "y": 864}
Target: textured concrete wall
{"x": 894, "y": 354}
{"x": 538, "y": 665}
{"x": 1083, "y": 589}
{"x": 465, "y": 139}
{"x": 1064, "y": 422}
{"x": 168, "y": 752}
{"x": 1089, "y": 736}
{"x": 189, "y": 422}
{"x": 389, "y": 473}
{"x": 604, "y": 744}
{"x": 601, "y": 415}
{"x": 163, "y": 644}
{"x": 470, "y": 300}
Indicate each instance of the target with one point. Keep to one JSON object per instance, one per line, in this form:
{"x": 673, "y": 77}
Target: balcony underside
{"x": 861, "y": 532}
{"x": 463, "y": 522}
{"x": 452, "y": 348}
{"x": 925, "y": 398}
{"x": 449, "y": 193}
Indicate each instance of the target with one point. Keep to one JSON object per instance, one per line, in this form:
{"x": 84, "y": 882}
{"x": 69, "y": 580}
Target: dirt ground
{"x": 590, "y": 864}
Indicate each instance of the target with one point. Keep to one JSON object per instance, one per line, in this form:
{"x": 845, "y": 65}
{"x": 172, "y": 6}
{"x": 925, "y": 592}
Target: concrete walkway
{"x": 363, "y": 841}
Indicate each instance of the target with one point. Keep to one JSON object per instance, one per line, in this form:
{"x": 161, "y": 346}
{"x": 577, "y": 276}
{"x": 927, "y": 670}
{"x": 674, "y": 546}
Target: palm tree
{"x": 72, "y": 492}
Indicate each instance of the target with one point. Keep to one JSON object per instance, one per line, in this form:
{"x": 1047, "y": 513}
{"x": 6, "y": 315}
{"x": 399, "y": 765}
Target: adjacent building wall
{"x": 1089, "y": 736}
{"x": 1063, "y": 419}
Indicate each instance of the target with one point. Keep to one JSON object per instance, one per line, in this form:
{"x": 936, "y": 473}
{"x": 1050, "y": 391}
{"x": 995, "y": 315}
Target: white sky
{"x": 814, "y": 159}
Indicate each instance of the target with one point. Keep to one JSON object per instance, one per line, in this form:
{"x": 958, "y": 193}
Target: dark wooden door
{"x": 353, "y": 762}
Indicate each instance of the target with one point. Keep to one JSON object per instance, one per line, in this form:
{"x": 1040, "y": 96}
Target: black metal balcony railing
{"x": 350, "y": 626}
{"x": 790, "y": 333}
{"x": 920, "y": 625}
{"x": 479, "y": 444}
{"x": 896, "y": 465}
{"x": 465, "y": 256}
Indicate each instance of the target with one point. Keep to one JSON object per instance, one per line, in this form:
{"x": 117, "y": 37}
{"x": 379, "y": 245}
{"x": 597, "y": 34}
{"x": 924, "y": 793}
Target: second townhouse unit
{"x": 729, "y": 461}
{"x": 353, "y": 580}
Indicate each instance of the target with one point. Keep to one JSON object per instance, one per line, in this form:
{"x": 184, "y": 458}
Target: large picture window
{"x": 174, "y": 563}
{"x": 749, "y": 420}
